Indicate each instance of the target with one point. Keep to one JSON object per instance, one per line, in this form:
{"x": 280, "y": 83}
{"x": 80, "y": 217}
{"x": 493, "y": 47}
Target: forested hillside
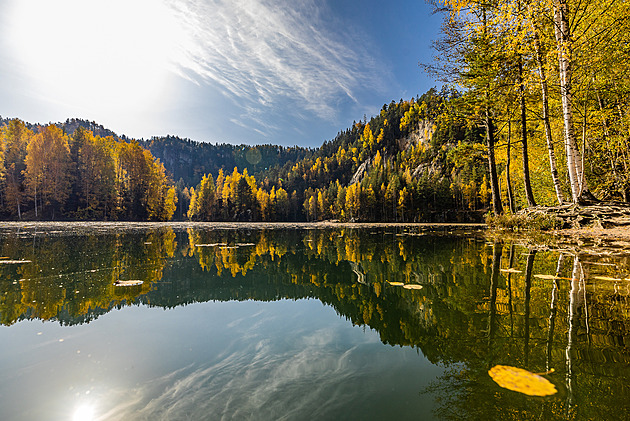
{"x": 190, "y": 161}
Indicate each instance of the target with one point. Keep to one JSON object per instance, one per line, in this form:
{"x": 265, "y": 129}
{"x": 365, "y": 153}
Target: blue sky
{"x": 288, "y": 72}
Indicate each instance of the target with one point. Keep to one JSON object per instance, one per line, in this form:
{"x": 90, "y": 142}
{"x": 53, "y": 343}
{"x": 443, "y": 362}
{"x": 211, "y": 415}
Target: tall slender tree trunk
{"x": 35, "y": 200}
{"x": 497, "y": 207}
{"x": 565, "y": 61}
{"x": 508, "y": 178}
{"x": 544, "y": 88}
{"x": 529, "y": 194}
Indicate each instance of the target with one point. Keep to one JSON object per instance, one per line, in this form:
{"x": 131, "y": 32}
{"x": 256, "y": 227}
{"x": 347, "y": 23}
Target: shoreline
{"x": 118, "y": 225}
{"x": 570, "y": 235}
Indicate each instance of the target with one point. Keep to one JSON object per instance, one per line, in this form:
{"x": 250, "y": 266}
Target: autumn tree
{"x": 14, "y": 137}
{"x": 203, "y": 200}
{"x": 47, "y": 170}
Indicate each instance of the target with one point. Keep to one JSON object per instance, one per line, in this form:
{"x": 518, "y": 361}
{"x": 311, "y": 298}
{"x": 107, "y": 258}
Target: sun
{"x": 83, "y": 413}
{"x": 98, "y": 55}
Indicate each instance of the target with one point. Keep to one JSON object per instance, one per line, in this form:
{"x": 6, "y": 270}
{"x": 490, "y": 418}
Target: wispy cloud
{"x": 262, "y": 54}
{"x": 310, "y": 376}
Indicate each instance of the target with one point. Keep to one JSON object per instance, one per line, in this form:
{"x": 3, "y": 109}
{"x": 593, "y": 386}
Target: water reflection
{"x": 480, "y": 304}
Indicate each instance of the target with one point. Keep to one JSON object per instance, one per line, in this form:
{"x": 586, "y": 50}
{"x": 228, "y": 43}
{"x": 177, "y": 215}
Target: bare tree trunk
{"x": 544, "y": 88}
{"x": 564, "y": 44}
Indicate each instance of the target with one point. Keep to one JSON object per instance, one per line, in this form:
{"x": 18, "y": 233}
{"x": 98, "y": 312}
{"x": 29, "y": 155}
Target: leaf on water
{"x": 14, "y": 262}
{"x": 607, "y": 278}
{"x": 521, "y": 381}
{"x": 511, "y": 270}
{"x": 396, "y": 284}
{"x": 130, "y": 283}
{"x": 412, "y": 286}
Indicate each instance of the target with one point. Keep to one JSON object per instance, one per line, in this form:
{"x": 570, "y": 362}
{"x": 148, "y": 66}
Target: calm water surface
{"x": 294, "y": 324}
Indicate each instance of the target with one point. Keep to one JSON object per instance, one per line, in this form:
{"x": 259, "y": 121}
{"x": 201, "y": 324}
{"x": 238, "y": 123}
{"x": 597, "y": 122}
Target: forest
{"x": 533, "y": 111}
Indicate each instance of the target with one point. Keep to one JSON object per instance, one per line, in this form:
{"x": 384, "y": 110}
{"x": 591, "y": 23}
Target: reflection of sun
{"x": 83, "y": 413}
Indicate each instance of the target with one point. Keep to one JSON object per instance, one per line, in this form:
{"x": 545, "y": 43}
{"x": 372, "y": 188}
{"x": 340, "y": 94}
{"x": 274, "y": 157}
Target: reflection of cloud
{"x": 259, "y": 51}
{"x": 263, "y": 379}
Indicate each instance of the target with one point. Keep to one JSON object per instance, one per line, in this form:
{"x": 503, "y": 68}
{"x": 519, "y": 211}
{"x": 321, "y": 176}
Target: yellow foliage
{"x": 521, "y": 381}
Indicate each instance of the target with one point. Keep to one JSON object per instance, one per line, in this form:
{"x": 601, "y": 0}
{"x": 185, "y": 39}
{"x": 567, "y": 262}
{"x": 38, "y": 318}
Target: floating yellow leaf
{"x": 521, "y": 381}
{"x": 511, "y": 270}
{"x": 396, "y": 284}
{"x": 412, "y": 286}
{"x": 607, "y": 278}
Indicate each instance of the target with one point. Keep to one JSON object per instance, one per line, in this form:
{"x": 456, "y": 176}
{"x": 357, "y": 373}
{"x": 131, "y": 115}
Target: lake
{"x": 290, "y": 323}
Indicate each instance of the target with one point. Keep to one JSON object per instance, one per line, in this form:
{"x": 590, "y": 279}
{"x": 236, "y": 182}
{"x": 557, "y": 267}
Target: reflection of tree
{"x": 76, "y": 275}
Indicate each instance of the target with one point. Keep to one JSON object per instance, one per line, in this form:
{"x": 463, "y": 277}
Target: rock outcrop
{"x": 599, "y": 215}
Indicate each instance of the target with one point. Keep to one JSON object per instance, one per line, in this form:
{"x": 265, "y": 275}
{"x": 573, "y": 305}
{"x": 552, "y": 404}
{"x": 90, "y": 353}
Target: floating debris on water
{"x": 548, "y": 277}
{"x": 14, "y": 262}
{"x": 511, "y": 270}
{"x": 130, "y": 283}
{"x": 245, "y": 244}
{"x": 396, "y": 284}
{"x": 412, "y": 286}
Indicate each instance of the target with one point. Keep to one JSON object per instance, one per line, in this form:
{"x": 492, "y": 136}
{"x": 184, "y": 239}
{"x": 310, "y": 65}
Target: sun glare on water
{"x": 97, "y": 55}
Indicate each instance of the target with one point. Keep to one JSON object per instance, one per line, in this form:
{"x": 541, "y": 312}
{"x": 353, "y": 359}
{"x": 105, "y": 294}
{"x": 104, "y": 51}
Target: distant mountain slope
{"x": 190, "y": 160}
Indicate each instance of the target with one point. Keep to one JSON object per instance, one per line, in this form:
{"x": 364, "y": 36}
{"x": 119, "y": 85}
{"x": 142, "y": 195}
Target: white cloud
{"x": 262, "y": 54}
